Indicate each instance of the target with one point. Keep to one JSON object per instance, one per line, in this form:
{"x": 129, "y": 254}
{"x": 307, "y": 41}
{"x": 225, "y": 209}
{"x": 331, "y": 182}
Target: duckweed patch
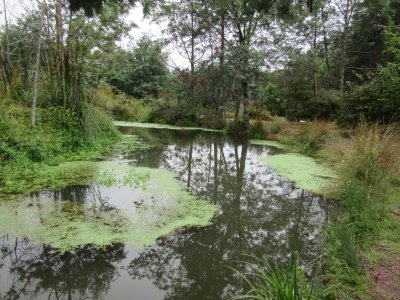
{"x": 274, "y": 144}
{"x": 304, "y": 171}
{"x": 64, "y": 226}
{"x": 151, "y": 205}
{"x": 160, "y": 126}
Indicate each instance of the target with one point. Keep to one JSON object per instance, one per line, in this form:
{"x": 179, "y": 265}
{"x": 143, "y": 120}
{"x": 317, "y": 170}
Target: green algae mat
{"x": 146, "y": 204}
{"x": 160, "y": 126}
{"x": 304, "y": 171}
{"x": 274, "y": 144}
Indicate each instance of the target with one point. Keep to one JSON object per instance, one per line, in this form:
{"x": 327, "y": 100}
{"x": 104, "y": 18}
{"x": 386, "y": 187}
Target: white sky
{"x": 16, "y": 8}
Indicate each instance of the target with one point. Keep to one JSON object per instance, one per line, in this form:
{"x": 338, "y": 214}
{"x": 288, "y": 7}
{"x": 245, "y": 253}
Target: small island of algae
{"x": 304, "y": 171}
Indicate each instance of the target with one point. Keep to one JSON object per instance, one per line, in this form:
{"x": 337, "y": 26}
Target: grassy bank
{"x": 362, "y": 243}
{"x": 366, "y": 231}
{"x": 29, "y": 155}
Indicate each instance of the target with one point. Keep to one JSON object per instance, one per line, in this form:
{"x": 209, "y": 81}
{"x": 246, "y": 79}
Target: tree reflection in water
{"x": 261, "y": 215}
{"x": 38, "y": 272}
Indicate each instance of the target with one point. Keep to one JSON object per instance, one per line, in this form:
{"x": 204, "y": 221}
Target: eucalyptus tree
{"x": 345, "y": 10}
{"x": 249, "y": 22}
{"x": 141, "y": 71}
{"x": 367, "y": 40}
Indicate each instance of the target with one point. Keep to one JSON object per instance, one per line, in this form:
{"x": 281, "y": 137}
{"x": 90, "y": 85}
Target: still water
{"x": 261, "y": 214}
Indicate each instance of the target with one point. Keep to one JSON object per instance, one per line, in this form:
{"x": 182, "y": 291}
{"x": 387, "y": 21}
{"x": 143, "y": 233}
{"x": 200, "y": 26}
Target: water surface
{"x": 261, "y": 214}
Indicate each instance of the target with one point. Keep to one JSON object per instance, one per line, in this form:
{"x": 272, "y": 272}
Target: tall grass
{"x": 368, "y": 167}
{"x": 271, "y": 283}
{"x": 309, "y": 137}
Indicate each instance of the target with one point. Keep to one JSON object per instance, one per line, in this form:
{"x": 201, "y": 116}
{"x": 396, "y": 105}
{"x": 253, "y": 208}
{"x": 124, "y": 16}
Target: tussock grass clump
{"x": 275, "y": 127}
{"x": 309, "y": 137}
{"x": 368, "y": 168}
{"x": 257, "y": 131}
{"x": 120, "y": 106}
{"x": 370, "y": 153}
{"x": 270, "y": 283}
{"x": 237, "y": 129}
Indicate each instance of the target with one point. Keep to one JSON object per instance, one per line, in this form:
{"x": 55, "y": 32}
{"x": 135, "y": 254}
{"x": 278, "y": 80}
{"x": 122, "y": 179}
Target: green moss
{"x": 164, "y": 207}
{"x": 269, "y": 143}
{"x": 160, "y": 126}
{"x": 304, "y": 171}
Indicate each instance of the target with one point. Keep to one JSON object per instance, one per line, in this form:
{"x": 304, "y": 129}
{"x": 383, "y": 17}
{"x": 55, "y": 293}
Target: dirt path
{"x": 386, "y": 285}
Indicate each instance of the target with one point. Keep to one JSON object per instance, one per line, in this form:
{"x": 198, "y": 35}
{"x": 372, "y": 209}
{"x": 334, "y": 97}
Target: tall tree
{"x": 40, "y": 24}
{"x": 345, "y": 10}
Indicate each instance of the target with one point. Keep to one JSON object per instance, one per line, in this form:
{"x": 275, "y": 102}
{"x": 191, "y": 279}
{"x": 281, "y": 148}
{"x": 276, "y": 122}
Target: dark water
{"x": 261, "y": 214}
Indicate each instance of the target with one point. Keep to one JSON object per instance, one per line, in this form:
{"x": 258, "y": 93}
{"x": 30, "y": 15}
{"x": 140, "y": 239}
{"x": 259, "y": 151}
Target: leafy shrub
{"x": 275, "y": 128}
{"x": 374, "y": 101}
{"x": 212, "y": 120}
{"x": 324, "y": 106}
{"x": 308, "y": 137}
{"x": 257, "y": 131}
{"x": 237, "y": 129}
{"x": 121, "y": 106}
{"x": 256, "y": 111}
{"x": 123, "y": 112}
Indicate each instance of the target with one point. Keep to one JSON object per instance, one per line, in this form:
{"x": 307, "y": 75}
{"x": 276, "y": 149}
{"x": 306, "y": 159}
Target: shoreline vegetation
{"x": 283, "y": 74}
{"x": 365, "y": 188}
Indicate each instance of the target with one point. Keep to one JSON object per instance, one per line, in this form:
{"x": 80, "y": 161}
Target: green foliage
{"x": 142, "y": 71}
{"x": 301, "y": 102}
{"x": 275, "y": 127}
{"x": 307, "y": 138}
{"x": 58, "y": 136}
{"x": 259, "y": 113}
{"x": 271, "y": 96}
{"x": 270, "y": 283}
{"x": 257, "y": 131}
{"x": 370, "y": 19}
{"x": 368, "y": 180}
{"x": 93, "y": 7}
{"x": 237, "y": 129}
{"x": 120, "y": 106}
{"x": 375, "y": 101}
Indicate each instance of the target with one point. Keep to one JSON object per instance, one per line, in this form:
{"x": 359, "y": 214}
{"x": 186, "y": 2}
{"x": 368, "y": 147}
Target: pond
{"x": 259, "y": 213}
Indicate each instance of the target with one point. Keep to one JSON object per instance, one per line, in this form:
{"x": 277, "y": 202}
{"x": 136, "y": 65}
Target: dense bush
{"x": 304, "y": 106}
{"x": 375, "y": 101}
{"x": 257, "y": 131}
{"x": 307, "y": 138}
{"x": 58, "y": 132}
{"x": 257, "y": 112}
{"x": 120, "y": 106}
{"x": 210, "y": 119}
{"x": 237, "y": 129}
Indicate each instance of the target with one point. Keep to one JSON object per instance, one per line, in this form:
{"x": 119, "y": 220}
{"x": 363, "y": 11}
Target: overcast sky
{"x": 16, "y": 8}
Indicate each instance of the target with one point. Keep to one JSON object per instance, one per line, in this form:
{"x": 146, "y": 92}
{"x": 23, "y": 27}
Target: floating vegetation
{"x": 160, "y": 126}
{"x": 304, "y": 171}
{"x": 274, "y": 144}
{"x": 67, "y": 225}
{"x": 131, "y": 144}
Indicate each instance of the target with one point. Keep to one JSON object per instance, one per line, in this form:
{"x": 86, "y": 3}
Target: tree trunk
{"x": 323, "y": 19}
{"x": 6, "y": 53}
{"x": 246, "y": 106}
{"x": 348, "y": 12}
{"x": 60, "y": 51}
{"x": 315, "y": 81}
{"x": 37, "y": 66}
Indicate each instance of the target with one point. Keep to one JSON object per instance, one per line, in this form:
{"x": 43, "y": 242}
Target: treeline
{"x": 337, "y": 61}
